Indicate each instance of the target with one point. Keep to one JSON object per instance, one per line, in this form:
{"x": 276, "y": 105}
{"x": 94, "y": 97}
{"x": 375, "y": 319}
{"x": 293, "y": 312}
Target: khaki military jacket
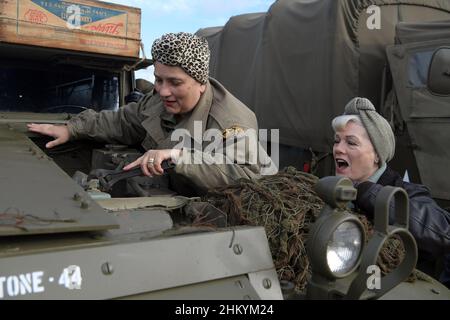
{"x": 146, "y": 122}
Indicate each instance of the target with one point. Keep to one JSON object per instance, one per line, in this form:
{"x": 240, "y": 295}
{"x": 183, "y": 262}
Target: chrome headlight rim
{"x": 321, "y": 235}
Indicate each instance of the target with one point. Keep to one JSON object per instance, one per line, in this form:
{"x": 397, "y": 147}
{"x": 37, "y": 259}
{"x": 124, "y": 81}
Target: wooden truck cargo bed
{"x": 81, "y": 25}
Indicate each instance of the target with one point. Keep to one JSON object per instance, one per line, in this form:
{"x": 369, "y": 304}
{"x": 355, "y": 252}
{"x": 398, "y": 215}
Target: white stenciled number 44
{"x": 71, "y": 278}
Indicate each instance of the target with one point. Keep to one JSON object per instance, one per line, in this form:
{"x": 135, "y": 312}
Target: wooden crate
{"x": 81, "y": 25}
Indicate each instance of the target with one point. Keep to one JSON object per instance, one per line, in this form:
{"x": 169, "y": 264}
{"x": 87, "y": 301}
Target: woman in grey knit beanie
{"x": 364, "y": 144}
{"x": 371, "y": 142}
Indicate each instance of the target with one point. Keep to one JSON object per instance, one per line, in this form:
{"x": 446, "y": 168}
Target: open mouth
{"x": 168, "y": 103}
{"x": 341, "y": 164}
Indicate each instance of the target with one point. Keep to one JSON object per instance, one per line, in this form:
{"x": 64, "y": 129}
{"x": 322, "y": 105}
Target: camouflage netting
{"x": 286, "y": 205}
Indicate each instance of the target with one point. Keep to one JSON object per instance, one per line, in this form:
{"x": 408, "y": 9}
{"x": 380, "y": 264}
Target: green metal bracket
{"x": 383, "y": 231}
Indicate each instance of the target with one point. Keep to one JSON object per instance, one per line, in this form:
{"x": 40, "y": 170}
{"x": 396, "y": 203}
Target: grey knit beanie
{"x": 378, "y": 128}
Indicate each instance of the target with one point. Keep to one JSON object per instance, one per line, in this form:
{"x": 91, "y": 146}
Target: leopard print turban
{"x": 184, "y": 50}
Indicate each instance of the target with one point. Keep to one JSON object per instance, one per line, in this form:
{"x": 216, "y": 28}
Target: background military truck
{"x": 298, "y": 64}
{"x": 62, "y": 238}
{"x": 67, "y": 234}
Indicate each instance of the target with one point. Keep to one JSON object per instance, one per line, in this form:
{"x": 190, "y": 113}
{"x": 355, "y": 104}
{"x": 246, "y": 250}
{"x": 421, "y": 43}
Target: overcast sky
{"x": 162, "y": 16}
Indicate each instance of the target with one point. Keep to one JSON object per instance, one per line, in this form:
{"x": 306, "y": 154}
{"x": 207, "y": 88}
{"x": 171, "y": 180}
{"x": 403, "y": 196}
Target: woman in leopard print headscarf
{"x": 183, "y": 97}
{"x": 181, "y": 70}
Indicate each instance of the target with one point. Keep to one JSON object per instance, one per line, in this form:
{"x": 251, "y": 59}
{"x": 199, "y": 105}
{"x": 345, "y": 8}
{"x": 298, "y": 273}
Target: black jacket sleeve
{"x": 428, "y": 223}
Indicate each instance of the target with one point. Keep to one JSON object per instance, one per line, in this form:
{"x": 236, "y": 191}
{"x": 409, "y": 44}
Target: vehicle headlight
{"x": 336, "y": 239}
{"x": 344, "y": 248}
{"x": 335, "y": 245}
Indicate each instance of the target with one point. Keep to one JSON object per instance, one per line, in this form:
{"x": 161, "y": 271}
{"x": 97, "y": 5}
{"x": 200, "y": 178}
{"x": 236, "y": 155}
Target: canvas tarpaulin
{"x": 298, "y": 64}
{"x": 426, "y": 114}
{"x": 418, "y": 32}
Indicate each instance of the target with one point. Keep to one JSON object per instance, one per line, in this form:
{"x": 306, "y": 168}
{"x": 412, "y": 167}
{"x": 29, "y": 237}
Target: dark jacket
{"x": 428, "y": 223}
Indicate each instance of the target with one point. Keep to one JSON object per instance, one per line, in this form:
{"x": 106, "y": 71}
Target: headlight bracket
{"x": 382, "y": 232}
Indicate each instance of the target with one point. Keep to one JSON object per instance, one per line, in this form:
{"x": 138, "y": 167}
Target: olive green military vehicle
{"x": 73, "y": 226}
{"x": 65, "y": 231}
{"x": 297, "y": 65}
